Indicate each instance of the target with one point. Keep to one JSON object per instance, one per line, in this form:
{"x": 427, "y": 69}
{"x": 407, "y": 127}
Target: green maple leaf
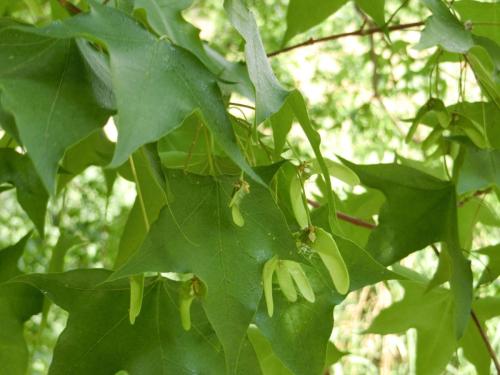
{"x": 420, "y": 210}
{"x": 480, "y": 169}
{"x": 167, "y": 77}
{"x": 49, "y": 74}
{"x": 165, "y": 17}
{"x": 445, "y": 30}
{"x": 99, "y": 339}
{"x": 431, "y": 313}
{"x": 195, "y": 233}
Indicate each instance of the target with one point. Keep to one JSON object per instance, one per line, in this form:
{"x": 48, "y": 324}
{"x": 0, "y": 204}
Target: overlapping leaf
{"x": 480, "y": 14}
{"x": 445, "y": 30}
{"x": 165, "y": 17}
{"x": 17, "y": 304}
{"x": 95, "y": 149}
{"x": 150, "y": 198}
{"x": 18, "y": 170}
{"x": 480, "y": 169}
{"x": 301, "y": 16}
{"x": 172, "y": 82}
{"x": 271, "y": 98}
{"x": 420, "y": 210}
{"x": 432, "y": 315}
{"x": 195, "y": 233}
{"x": 299, "y": 331}
{"x": 98, "y": 338}
{"x": 44, "y": 86}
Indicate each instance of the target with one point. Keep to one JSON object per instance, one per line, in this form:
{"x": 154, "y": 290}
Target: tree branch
{"x": 73, "y": 9}
{"x": 359, "y": 32}
{"x": 486, "y": 341}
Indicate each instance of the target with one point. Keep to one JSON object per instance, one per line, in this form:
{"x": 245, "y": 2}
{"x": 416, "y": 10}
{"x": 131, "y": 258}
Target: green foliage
{"x": 240, "y": 241}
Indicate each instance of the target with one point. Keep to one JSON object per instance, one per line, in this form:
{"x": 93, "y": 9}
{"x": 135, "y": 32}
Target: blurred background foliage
{"x": 362, "y": 93}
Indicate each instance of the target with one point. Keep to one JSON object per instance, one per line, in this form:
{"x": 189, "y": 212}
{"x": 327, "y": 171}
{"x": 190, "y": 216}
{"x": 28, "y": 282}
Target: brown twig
{"x": 359, "y": 32}
{"x": 346, "y": 217}
{"x": 478, "y": 193}
{"x": 486, "y": 341}
{"x": 73, "y": 9}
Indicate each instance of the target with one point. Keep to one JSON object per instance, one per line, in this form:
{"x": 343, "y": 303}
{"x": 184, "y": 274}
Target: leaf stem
{"x": 139, "y": 192}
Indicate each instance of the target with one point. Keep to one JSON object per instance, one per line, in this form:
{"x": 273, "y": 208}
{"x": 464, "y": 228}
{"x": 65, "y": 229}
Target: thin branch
{"x": 73, "y": 9}
{"x": 359, "y": 32}
{"x": 347, "y": 218}
{"x": 486, "y": 341}
{"x": 355, "y": 221}
{"x": 478, "y": 193}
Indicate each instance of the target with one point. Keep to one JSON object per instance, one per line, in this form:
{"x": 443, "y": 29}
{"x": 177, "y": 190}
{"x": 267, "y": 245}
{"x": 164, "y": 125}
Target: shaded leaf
{"x": 301, "y": 16}
{"x": 431, "y": 313}
{"x": 51, "y": 74}
{"x": 480, "y": 169}
{"x": 299, "y": 332}
{"x": 271, "y": 97}
{"x": 140, "y": 62}
{"x": 195, "y": 233}
{"x": 18, "y": 170}
{"x": 99, "y": 339}
{"x": 492, "y": 269}
{"x": 472, "y": 343}
{"x": 17, "y": 304}
{"x": 150, "y": 199}
{"x": 165, "y": 17}
{"x": 374, "y": 8}
{"x": 480, "y": 14}
{"x": 419, "y": 211}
